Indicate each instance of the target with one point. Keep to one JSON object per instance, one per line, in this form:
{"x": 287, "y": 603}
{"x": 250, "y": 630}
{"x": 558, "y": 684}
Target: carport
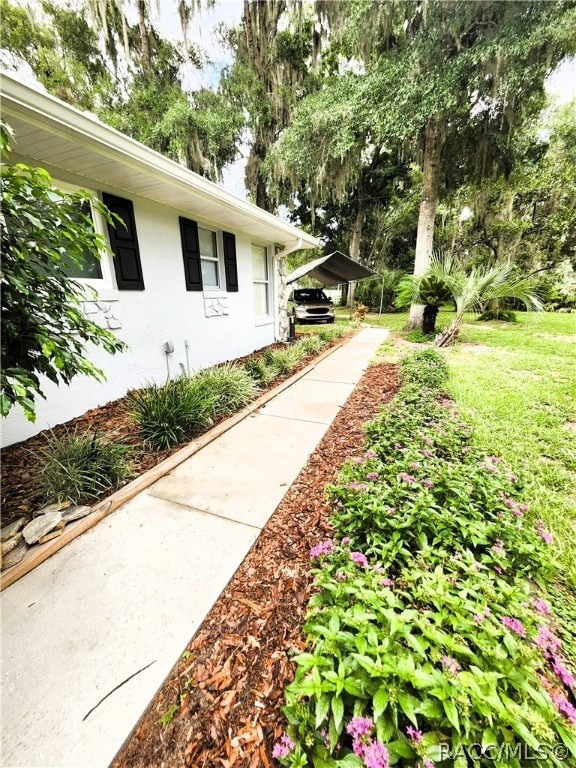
{"x": 334, "y": 269}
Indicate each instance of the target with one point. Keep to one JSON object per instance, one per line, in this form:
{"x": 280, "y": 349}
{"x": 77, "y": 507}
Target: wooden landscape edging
{"x": 38, "y": 553}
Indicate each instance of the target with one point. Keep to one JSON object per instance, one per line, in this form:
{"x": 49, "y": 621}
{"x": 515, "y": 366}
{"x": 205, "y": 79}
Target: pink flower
{"x": 544, "y": 534}
{"x": 498, "y": 548}
{"x": 414, "y": 734}
{"x": 427, "y": 483}
{"x": 541, "y": 606}
{"x": 371, "y": 454}
{"x": 547, "y": 640}
{"x": 479, "y": 617}
{"x": 564, "y": 674}
{"x": 376, "y": 755}
{"x": 346, "y": 540}
{"x": 391, "y": 510}
{"x": 498, "y": 569}
{"x": 360, "y": 726}
{"x": 405, "y": 477}
{"x": 512, "y": 477}
{"x": 372, "y": 476}
{"x": 514, "y": 625}
{"x": 414, "y": 465}
{"x": 359, "y": 558}
{"x": 450, "y": 665}
{"x": 386, "y": 582}
{"x": 324, "y": 548}
{"x": 564, "y": 706}
{"x": 358, "y": 460}
{"x": 283, "y": 747}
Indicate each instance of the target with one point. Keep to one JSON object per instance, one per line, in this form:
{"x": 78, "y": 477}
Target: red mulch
{"x": 21, "y": 494}
{"x": 228, "y": 686}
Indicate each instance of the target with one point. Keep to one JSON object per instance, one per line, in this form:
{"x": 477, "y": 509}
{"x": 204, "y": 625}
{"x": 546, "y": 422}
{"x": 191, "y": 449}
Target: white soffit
{"x": 51, "y": 132}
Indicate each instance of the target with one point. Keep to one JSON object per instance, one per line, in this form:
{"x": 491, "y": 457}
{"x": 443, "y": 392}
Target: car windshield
{"x": 310, "y": 294}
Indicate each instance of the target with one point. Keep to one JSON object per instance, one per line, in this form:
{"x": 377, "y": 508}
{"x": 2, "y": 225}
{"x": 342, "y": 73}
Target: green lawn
{"x": 516, "y": 382}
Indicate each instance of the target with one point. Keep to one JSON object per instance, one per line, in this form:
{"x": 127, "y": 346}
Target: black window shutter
{"x": 230, "y": 265}
{"x": 191, "y": 254}
{"x": 124, "y": 244}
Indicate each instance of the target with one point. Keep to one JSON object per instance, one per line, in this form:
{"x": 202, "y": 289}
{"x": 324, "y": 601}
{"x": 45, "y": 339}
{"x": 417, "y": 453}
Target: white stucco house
{"x": 196, "y": 269}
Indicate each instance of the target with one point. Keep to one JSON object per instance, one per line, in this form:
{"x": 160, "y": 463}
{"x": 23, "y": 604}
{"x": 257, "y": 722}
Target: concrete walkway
{"x": 126, "y": 597}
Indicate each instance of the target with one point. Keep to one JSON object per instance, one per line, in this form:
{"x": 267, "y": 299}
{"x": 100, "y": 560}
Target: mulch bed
{"x": 227, "y": 687}
{"x": 21, "y": 494}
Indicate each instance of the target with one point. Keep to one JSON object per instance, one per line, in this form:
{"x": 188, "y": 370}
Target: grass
{"x": 515, "y": 383}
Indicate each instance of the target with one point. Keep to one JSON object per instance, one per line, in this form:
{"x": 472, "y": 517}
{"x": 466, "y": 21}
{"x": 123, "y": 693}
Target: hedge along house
{"x": 197, "y": 276}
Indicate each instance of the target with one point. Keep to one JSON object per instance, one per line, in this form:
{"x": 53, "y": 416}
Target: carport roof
{"x": 334, "y": 269}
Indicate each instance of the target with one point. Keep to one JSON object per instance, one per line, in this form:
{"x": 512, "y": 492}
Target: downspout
{"x": 281, "y": 324}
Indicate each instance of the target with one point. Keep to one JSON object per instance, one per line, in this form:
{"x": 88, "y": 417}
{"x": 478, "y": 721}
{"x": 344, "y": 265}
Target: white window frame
{"x": 107, "y": 280}
{"x": 263, "y": 319}
{"x": 216, "y": 236}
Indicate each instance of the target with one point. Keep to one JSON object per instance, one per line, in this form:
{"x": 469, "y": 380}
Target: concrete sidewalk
{"x": 125, "y": 598}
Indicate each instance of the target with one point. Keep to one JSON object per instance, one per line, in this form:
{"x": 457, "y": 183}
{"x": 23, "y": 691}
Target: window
{"x": 91, "y": 269}
{"x": 208, "y": 258}
{"x": 260, "y": 279}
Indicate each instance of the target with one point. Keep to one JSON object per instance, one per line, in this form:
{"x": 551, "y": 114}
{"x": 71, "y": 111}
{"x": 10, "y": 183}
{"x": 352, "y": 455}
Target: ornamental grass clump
{"x": 284, "y": 360}
{"x": 228, "y": 387}
{"x": 311, "y": 344}
{"x": 80, "y": 466}
{"x": 261, "y": 373}
{"x": 170, "y": 413}
{"x": 430, "y": 638}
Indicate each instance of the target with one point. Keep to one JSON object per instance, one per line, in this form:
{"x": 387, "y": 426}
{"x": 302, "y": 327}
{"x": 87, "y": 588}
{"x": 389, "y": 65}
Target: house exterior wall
{"x": 164, "y": 312}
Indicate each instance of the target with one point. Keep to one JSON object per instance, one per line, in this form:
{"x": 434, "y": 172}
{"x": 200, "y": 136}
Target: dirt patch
{"x": 225, "y": 693}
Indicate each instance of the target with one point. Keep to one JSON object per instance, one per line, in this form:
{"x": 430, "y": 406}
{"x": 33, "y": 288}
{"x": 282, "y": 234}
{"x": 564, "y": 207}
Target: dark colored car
{"x": 311, "y": 305}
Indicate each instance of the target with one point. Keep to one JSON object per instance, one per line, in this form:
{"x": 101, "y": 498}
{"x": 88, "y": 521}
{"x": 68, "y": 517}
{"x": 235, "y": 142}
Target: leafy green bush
{"x": 426, "y": 367}
{"x": 428, "y": 640}
{"x": 227, "y": 387}
{"x": 80, "y": 466}
{"x": 172, "y": 412}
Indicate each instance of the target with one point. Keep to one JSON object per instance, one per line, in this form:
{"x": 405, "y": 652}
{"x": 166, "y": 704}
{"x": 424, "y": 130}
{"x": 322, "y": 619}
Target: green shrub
{"x": 284, "y": 360}
{"x": 330, "y": 333}
{"x": 426, "y": 367}
{"x": 80, "y": 466}
{"x": 227, "y": 387}
{"x": 311, "y": 344}
{"x": 437, "y": 667}
{"x": 172, "y": 412}
{"x": 259, "y": 371}
{"x": 428, "y": 641}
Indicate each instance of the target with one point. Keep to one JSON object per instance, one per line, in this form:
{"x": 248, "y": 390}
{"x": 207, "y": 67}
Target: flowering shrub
{"x": 428, "y": 640}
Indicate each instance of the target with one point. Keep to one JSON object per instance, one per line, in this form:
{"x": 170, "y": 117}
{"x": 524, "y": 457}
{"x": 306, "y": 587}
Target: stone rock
{"x": 51, "y": 507}
{"x": 58, "y": 531}
{"x": 11, "y": 529}
{"x": 8, "y": 546}
{"x": 75, "y": 512}
{"x": 42, "y": 525}
{"x": 14, "y": 557}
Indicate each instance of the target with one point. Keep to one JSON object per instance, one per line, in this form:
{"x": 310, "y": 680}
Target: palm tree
{"x": 471, "y": 291}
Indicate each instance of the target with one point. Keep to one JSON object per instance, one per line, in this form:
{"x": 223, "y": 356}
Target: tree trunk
{"x": 433, "y": 142}
{"x": 429, "y": 316}
{"x": 146, "y": 56}
{"x": 356, "y": 238}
